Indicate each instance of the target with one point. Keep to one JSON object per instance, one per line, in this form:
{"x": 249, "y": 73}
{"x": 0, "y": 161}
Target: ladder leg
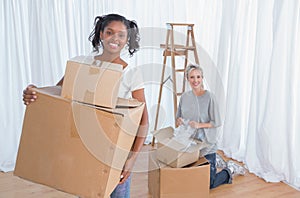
{"x": 194, "y": 45}
{"x": 174, "y": 92}
{"x": 161, "y": 83}
{"x": 184, "y": 75}
{"x": 173, "y": 74}
{"x": 160, "y": 92}
{"x": 159, "y": 96}
{"x": 186, "y": 57}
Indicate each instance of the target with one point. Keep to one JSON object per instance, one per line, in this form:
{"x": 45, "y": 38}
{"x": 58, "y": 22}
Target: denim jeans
{"x": 122, "y": 190}
{"x": 222, "y": 177}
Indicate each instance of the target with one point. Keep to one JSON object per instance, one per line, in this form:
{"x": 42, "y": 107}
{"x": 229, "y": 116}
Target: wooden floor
{"x": 247, "y": 186}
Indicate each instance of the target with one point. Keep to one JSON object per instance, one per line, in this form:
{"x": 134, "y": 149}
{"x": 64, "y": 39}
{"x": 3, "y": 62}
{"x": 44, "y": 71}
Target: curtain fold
{"x": 261, "y": 97}
{"x": 249, "y": 51}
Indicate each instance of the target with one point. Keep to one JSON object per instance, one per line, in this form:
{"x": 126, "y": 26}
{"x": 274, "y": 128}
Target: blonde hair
{"x": 191, "y": 67}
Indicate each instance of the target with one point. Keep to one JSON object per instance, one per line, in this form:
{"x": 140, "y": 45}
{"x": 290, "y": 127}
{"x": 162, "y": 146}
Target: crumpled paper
{"x": 184, "y": 134}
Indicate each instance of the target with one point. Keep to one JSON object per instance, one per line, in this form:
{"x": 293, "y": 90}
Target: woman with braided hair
{"x": 112, "y": 33}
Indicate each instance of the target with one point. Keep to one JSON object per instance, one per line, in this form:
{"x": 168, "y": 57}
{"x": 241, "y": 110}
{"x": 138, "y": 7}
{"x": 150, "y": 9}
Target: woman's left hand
{"x": 127, "y": 169}
{"x": 194, "y": 124}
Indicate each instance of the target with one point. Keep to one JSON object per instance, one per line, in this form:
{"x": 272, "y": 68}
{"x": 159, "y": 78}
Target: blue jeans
{"x": 122, "y": 190}
{"x": 222, "y": 177}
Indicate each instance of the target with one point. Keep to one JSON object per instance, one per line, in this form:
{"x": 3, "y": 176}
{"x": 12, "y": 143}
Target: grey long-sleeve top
{"x": 203, "y": 109}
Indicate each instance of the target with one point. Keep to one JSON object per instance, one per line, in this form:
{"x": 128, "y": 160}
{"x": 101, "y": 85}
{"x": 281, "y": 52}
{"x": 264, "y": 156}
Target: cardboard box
{"x": 172, "y": 152}
{"x": 85, "y": 82}
{"x": 73, "y": 147}
{"x": 167, "y": 182}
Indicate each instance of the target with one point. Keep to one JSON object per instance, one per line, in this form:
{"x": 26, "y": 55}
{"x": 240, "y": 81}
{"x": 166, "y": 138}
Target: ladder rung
{"x": 179, "y": 94}
{"x": 179, "y": 70}
{"x": 176, "y": 46}
{"x": 176, "y": 53}
{"x": 181, "y": 24}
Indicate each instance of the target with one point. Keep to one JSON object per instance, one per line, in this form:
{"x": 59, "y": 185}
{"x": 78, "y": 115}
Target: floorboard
{"x": 248, "y": 186}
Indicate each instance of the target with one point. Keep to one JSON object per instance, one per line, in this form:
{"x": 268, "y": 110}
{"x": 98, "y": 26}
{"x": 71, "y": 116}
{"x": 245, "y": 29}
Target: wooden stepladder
{"x": 172, "y": 50}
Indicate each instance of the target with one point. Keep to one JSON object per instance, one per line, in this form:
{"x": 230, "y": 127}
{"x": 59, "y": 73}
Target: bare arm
{"x": 198, "y": 125}
{"x": 143, "y": 129}
{"x": 140, "y": 137}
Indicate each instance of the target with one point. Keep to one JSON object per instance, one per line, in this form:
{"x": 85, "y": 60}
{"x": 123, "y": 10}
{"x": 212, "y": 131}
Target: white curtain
{"x": 259, "y": 48}
{"x": 249, "y": 51}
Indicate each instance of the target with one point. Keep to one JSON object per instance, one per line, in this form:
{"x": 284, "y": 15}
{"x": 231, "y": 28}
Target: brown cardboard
{"x": 74, "y": 147}
{"x": 167, "y": 182}
{"x": 174, "y": 153}
{"x": 98, "y": 85}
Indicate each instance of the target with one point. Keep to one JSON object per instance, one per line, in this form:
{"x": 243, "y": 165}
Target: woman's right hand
{"x": 179, "y": 121}
{"x": 29, "y": 95}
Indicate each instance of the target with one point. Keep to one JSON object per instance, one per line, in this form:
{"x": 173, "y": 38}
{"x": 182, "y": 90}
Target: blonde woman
{"x": 199, "y": 109}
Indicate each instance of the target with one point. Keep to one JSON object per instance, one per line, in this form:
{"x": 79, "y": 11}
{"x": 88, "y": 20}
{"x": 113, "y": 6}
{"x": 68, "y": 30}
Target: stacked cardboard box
{"x": 72, "y": 145}
{"x": 91, "y": 84}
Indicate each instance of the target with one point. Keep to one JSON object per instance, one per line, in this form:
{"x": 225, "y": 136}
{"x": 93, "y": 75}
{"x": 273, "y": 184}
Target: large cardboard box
{"x": 75, "y": 147}
{"x": 91, "y": 84}
{"x": 174, "y": 153}
{"x": 166, "y": 182}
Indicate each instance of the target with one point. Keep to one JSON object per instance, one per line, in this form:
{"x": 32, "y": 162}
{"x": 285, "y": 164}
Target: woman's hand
{"x": 195, "y": 125}
{"x": 127, "y": 169}
{"x": 29, "y": 95}
{"x": 179, "y": 121}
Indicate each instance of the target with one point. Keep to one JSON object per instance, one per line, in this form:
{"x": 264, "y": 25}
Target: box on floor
{"x": 166, "y": 182}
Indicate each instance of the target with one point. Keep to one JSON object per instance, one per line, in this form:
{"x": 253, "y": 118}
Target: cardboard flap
{"x": 89, "y": 60}
{"x": 125, "y": 103}
{"x": 51, "y": 90}
{"x": 121, "y": 110}
{"x": 162, "y": 134}
{"x": 83, "y": 59}
{"x": 173, "y": 144}
{"x": 201, "y": 161}
{"x": 164, "y": 137}
{"x": 197, "y": 146}
{"x": 177, "y": 146}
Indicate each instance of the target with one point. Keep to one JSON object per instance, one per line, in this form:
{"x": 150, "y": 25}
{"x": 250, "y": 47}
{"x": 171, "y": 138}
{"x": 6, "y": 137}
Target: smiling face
{"x": 195, "y": 79}
{"x": 114, "y": 37}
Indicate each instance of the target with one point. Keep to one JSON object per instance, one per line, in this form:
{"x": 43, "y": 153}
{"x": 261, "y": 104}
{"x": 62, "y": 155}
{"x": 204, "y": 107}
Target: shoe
{"x": 220, "y": 162}
{"x": 235, "y": 168}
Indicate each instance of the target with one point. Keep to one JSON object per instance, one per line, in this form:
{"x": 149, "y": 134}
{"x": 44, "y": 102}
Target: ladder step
{"x": 176, "y": 46}
{"x": 176, "y": 53}
{"x": 181, "y": 24}
{"x": 179, "y": 70}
